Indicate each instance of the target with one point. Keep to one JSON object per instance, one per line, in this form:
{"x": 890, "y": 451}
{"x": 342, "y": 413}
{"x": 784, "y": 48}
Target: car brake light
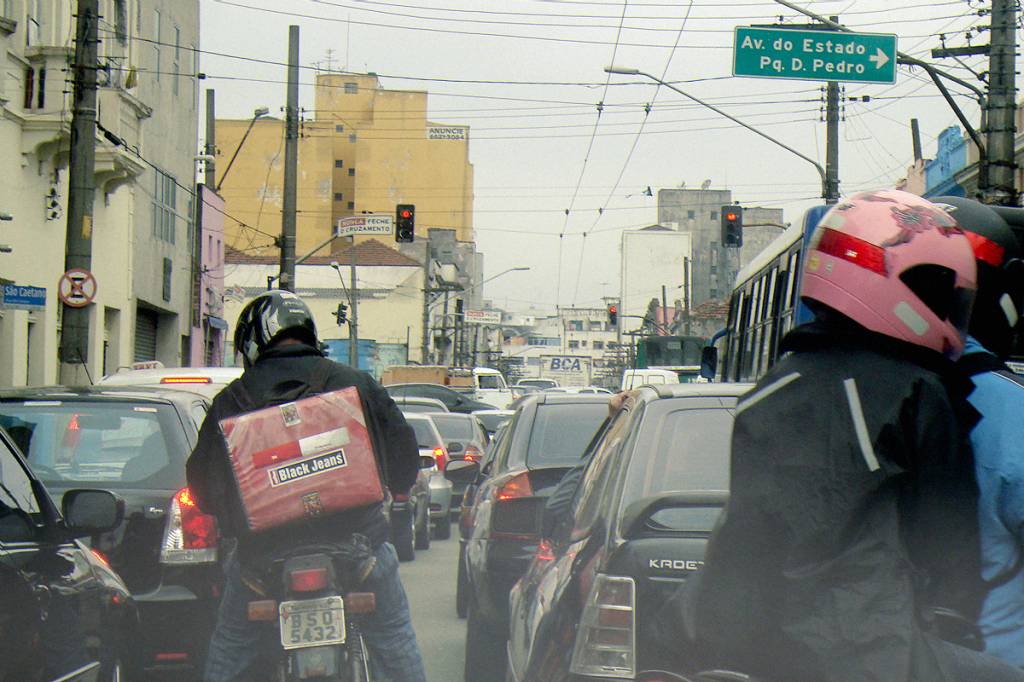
{"x": 545, "y": 551}
{"x": 191, "y": 536}
{"x": 186, "y": 380}
{"x": 308, "y": 580}
{"x": 516, "y": 487}
{"x": 851, "y": 249}
{"x": 606, "y": 639}
{"x": 441, "y": 456}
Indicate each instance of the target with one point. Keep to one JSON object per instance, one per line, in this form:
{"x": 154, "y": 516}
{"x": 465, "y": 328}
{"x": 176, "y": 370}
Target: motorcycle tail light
{"x": 190, "y": 536}
{"x": 308, "y": 580}
{"x": 263, "y": 610}
{"x": 606, "y": 639}
{"x": 360, "y": 602}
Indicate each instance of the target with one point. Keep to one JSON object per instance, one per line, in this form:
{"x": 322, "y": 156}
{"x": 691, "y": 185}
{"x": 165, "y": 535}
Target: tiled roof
{"x": 368, "y": 253}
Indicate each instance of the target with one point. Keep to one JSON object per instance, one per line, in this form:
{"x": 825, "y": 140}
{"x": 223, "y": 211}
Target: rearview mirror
{"x": 461, "y": 471}
{"x": 709, "y": 362}
{"x": 90, "y": 512}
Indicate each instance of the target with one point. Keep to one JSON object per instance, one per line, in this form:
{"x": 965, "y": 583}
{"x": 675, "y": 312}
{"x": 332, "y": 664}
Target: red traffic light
{"x": 405, "y": 213}
{"x": 613, "y": 309}
{"x": 730, "y": 216}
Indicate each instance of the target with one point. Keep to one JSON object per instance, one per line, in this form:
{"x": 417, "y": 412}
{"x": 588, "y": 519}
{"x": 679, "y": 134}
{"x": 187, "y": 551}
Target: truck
{"x": 428, "y": 374}
{"x": 567, "y": 370}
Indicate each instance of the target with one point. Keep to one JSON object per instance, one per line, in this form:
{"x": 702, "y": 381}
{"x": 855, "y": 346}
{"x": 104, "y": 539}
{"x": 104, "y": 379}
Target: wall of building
{"x": 207, "y": 347}
{"x": 155, "y": 116}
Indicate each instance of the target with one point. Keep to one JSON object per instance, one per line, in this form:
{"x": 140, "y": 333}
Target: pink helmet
{"x": 896, "y": 264}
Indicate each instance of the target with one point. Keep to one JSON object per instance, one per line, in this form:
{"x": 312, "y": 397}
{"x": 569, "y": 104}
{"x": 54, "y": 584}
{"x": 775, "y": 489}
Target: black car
{"x": 453, "y": 400}
{"x": 655, "y": 483}
{"x": 545, "y": 438}
{"x": 133, "y": 442}
{"x": 63, "y": 614}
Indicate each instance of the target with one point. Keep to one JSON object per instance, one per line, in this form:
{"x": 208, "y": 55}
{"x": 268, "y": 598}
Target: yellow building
{"x": 364, "y": 149}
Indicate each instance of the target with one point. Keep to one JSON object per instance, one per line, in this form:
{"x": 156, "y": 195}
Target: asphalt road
{"x": 430, "y": 585}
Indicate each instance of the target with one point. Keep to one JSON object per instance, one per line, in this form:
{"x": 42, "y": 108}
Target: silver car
{"x": 428, "y": 438}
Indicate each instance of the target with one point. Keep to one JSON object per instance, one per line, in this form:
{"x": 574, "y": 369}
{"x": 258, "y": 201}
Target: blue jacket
{"x": 998, "y": 443}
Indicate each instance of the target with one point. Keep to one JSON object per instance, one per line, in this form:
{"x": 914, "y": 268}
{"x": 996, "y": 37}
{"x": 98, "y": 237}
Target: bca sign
{"x": 565, "y": 364}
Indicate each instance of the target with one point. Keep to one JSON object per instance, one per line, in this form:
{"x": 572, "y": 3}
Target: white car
{"x": 207, "y": 381}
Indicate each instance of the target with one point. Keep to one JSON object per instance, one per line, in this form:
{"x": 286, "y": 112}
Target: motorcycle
{"x": 312, "y": 602}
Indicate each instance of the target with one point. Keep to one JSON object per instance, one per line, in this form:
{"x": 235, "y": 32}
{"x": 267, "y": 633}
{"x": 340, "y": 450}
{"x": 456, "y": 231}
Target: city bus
{"x": 765, "y": 304}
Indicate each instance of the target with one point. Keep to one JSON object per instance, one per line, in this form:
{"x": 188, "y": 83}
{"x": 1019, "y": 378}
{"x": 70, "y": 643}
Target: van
{"x": 635, "y": 378}
{"x": 490, "y": 387}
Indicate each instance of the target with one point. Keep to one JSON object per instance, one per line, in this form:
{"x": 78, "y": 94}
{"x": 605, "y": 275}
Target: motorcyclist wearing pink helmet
{"x": 853, "y": 502}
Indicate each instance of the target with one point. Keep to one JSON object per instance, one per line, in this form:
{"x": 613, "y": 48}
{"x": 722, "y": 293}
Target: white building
{"x": 143, "y": 209}
{"x": 652, "y": 258}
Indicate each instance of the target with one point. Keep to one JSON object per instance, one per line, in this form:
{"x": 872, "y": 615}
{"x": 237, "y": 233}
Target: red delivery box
{"x": 303, "y": 459}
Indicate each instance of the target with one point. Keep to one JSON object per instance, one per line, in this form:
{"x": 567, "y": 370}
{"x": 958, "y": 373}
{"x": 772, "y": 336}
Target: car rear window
{"x": 560, "y": 433}
{"x": 418, "y": 408}
{"x": 686, "y": 450}
{"x": 425, "y": 435}
{"x": 454, "y": 428}
{"x": 115, "y": 444}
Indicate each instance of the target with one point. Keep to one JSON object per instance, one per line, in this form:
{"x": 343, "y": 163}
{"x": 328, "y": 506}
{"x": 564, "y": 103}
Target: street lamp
{"x": 521, "y": 268}
{"x": 260, "y": 111}
{"x": 626, "y": 71}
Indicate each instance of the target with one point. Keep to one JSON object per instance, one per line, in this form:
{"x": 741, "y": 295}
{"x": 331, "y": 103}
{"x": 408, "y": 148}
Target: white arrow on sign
{"x": 880, "y": 58}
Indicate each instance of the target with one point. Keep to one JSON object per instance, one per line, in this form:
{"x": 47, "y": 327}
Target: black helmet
{"x": 270, "y": 317}
{"x": 999, "y": 304}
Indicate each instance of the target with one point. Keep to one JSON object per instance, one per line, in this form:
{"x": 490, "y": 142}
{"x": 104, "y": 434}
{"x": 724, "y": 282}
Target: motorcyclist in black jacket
{"x": 853, "y": 504}
{"x": 277, "y": 339}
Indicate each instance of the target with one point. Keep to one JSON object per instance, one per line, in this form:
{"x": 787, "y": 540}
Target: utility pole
{"x": 286, "y": 279}
{"x": 686, "y": 291}
{"x": 427, "y": 291}
{"x": 1001, "y": 106}
{"x": 353, "y": 321}
{"x": 832, "y": 139}
{"x": 75, "y": 332}
{"x": 210, "y": 148}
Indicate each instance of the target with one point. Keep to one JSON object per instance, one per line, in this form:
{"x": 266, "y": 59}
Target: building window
{"x": 714, "y": 215}
{"x": 574, "y": 344}
{"x": 176, "y": 66}
{"x": 351, "y": 205}
{"x": 598, "y": 345}
{"x": 338, "y": 163}
{"x": 35, "y": 88}
{"x": 691, "y": 214}
{"x": 338, "y": 128}
{"x": 352, "y": 137}
{"x": 714, "y": 246}
{"x": 165, "y": 193}
{"x": 351, "y": 172}
{"x": 583, "y": 343}
{"x": 713, "y": 293}
{"x": 351, "y": 88}
{"x": 339, "y": 196}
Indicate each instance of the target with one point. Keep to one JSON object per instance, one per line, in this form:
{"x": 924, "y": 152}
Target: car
{"x": 464, "y": 438}
{"x": 409, "y": 404}
{"x": 539, "y": 384}
{"x": 409, "y": 514}
{"x": 545, "y": 438}
{"x": 133, "y": 442}
{"x": 452, "y": 399}
{"x": 491, "y": 419}
{"x": 578, "y": 389}
{"x": 207, "y": 381}
{"x": 437, "y": 521}
{"x": 64, "y": 614}
{"x": 655, "y": 483}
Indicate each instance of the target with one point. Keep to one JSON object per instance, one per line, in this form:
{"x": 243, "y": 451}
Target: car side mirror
{"x": 454, "y": 447}
{"x": 461, "y": 471}
{"x": 427, "y": 462}
{"x": 90, "y": 512}
{"x": 709, "y": 362}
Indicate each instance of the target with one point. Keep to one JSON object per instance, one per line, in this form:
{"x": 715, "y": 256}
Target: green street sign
{"x": 814, "y": 55}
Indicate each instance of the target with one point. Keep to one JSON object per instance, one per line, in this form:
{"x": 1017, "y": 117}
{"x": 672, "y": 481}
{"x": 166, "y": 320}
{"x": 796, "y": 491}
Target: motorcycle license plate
{"x": 312, "y": 622}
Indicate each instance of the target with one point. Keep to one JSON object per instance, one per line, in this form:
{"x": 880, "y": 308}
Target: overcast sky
{"x": 527, "y": 76}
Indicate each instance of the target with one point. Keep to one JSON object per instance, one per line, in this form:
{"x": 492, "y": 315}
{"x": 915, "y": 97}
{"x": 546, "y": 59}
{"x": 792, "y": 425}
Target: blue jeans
{"x": 394, "y": 655}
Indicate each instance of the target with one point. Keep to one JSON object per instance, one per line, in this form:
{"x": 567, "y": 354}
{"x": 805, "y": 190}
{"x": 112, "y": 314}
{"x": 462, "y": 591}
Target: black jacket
{"x": 280, "y": 375}
{"x": 853, "y": 507}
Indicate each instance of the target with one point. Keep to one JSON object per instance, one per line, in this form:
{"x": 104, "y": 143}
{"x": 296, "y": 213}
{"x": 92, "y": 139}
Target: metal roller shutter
{"x": 145, "y": 334}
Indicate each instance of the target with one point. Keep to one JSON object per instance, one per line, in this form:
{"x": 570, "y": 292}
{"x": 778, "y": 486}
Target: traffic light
{"x": 732, "y": 226}
{"x": 613, "y": 315}
{"x": 405, "y": 222}
{"x": 341, "y": 314}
